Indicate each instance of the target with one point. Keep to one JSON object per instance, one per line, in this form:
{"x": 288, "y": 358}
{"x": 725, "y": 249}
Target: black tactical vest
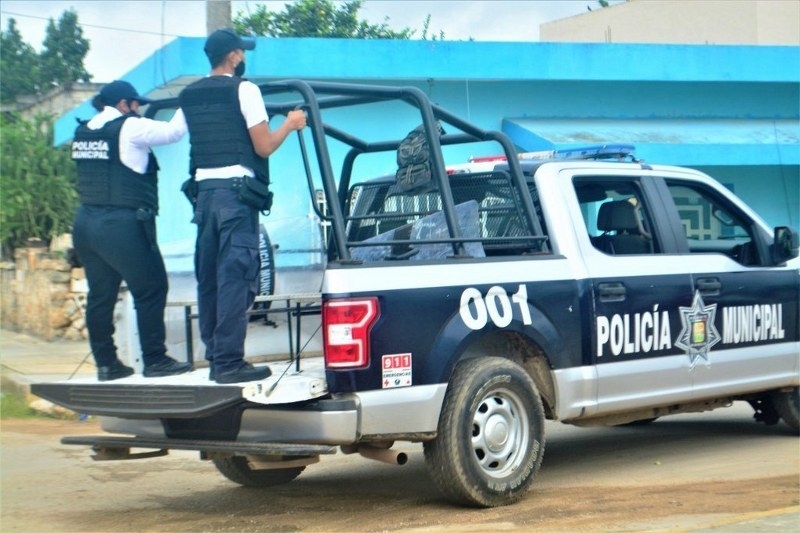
{"x": 217, "y": 130}
{"x": 102, "y": 178}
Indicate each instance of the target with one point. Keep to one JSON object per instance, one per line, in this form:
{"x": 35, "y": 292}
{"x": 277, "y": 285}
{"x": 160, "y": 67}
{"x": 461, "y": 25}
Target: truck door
{"x": 742, "y": 324}
{"x": 638, "y": 290}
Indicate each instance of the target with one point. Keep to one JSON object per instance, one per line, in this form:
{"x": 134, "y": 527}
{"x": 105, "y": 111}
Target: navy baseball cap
{"x": 118, "y": 90}
{"x": 220, "y": 42}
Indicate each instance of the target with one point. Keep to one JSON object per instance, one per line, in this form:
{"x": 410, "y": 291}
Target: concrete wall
{"x": 717, "y": 22}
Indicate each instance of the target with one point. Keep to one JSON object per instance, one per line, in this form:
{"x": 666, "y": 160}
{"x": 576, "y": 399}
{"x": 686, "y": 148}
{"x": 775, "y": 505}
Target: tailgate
{"x": 187, "y": 395}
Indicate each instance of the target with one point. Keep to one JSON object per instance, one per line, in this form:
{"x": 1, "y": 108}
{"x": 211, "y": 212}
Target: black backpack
{"x": 414, "y": 175}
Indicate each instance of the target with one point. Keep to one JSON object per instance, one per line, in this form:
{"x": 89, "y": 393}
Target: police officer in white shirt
{"x": 230, "y": 142}
{"x": 114, "y": 233}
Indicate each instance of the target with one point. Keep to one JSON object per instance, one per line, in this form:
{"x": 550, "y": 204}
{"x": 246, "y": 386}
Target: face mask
{"x": 239, "y": 70}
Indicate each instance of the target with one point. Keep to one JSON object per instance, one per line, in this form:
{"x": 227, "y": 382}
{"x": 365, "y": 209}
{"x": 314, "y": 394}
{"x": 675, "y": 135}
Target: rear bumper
{"x": 291, "y": 406}
{"x": 329, "y": 422}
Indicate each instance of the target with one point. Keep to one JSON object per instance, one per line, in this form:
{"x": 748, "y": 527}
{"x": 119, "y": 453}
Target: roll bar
{"x": 316, "y": 97}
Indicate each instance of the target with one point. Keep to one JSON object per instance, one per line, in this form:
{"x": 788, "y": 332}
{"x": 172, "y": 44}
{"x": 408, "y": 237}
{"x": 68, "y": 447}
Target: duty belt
{"x": 219, "y": 183}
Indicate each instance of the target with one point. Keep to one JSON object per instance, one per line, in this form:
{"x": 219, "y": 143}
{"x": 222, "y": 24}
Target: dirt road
{"x": 685, "y": 473}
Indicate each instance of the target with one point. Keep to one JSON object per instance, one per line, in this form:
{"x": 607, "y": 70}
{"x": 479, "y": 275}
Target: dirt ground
{"x": 685, "y": 473}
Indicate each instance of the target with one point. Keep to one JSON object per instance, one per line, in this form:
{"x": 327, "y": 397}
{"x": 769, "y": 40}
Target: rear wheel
{"x": 787, "y": 404}
{"x": 490, "y": 440}
{"x": 239, "y": 470}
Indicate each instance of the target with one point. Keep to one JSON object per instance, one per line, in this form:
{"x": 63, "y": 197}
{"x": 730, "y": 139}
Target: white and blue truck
{"x": 464, "y": 307}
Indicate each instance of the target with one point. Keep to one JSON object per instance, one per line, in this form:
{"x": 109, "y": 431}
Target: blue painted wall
{"x": 732, "y": 111}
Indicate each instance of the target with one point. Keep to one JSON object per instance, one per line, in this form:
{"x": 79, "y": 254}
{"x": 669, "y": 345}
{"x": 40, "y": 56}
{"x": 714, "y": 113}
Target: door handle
{"x": 708, "y": 286}
{"x": 611, "y": 292}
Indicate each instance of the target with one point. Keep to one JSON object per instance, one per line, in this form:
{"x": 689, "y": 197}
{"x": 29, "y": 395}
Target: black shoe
{"x": 165, "y": 367}
{"x": 246, "y": 372}
{"x": 114, "y": 371}
{"x": 211, "y": 374}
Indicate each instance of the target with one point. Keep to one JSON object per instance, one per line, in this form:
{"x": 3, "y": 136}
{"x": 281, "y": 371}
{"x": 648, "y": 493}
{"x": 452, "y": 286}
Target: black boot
{"x": 115, "y": 370}
{"x": 165, "y": 366}
{"x": 246, "y": 372}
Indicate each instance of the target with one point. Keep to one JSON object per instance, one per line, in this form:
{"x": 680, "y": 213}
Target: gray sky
{"x": 123, "y": 33}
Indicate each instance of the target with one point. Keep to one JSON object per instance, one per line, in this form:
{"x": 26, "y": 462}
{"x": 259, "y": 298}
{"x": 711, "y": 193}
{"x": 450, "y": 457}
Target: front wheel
{"x": 239, "y": 470}
{"x": 490, "y": 439}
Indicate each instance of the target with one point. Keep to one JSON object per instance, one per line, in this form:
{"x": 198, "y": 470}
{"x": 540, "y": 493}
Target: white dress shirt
{"x": 139, "y": 134}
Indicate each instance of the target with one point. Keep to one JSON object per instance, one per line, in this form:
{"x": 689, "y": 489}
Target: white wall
{"x": 753, "y": 22}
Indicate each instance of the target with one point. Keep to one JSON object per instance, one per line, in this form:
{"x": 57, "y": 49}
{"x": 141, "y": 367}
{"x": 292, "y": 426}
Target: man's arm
{"x": 266, "y": 141}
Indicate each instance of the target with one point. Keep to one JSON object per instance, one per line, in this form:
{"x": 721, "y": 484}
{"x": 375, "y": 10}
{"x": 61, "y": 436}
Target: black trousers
{"x": 115, "y": 244}
{"x": 226, "y": 265}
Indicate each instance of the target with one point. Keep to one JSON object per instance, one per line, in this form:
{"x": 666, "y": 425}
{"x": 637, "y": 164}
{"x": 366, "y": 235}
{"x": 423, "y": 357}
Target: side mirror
{"x": 785, "y": 245}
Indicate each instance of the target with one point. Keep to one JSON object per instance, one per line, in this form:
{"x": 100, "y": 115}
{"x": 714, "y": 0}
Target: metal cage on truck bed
{"x": 510, "y": 207}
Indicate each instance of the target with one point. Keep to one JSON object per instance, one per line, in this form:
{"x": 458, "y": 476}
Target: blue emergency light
{"x": 598, "y": 151}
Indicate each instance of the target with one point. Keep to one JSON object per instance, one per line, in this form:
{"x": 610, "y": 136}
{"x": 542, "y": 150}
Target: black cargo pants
{"x": 226, "y": 265}
{"x": 115, "y": 244}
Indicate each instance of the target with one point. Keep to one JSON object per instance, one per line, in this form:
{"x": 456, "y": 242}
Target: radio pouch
{"x": 255, "y": 193}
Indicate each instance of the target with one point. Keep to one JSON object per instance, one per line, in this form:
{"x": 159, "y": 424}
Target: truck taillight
{"x": 345, "y": 331}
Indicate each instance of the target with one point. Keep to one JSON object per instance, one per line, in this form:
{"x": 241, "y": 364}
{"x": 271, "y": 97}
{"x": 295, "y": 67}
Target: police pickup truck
{"x": 463, "y": 305}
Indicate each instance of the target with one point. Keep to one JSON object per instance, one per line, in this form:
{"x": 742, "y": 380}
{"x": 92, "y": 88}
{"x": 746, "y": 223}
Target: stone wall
{"x": 42, "y": 295}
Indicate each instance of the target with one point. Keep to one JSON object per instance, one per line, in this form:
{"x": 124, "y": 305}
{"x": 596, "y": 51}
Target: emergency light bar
{"x": 599, "y": 151}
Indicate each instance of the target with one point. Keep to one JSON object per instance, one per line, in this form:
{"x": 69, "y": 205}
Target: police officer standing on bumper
{"x": 230, "y": 141}
{"x": 114, "y": 232}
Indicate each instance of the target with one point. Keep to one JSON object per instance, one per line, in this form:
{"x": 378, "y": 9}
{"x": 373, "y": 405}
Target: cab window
{"x": 616, "y": 217}
{"x": 711, "y": 225}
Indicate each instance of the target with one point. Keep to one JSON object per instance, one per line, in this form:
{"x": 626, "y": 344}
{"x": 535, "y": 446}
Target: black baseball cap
{"x": 118, "y": 90}
{"x": 220, "y": 42}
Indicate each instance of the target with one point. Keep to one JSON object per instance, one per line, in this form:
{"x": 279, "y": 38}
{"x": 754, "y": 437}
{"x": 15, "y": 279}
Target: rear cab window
{"x": 386, "y": 223}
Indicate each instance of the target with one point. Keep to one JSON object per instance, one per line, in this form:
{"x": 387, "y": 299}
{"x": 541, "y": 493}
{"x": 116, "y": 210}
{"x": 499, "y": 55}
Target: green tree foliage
{"x": 19, "y": 65}
{"x": 64, "y": 49}
{"x": 23, "y": 72}
{"x": 316, "y": 18}
{"x": 432, "y": 37}
{"x": 38, "y": 183}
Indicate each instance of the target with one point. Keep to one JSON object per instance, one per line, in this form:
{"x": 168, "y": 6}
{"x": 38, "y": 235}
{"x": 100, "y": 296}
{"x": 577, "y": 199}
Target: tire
{"x": 237, "y": 469}
{"x": 490, "y": 439}
{"x": 787, "y": 404}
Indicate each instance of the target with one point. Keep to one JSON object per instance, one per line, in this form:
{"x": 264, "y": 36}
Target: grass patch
{"x": 15, "y": 405}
